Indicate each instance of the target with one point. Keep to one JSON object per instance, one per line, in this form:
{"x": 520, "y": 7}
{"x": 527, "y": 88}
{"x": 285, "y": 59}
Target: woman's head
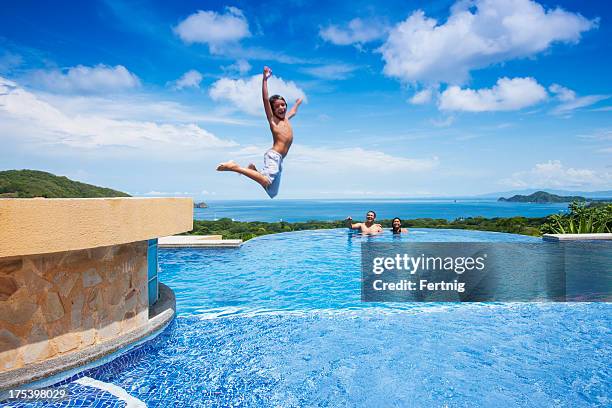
{"x": 396, "y": 224}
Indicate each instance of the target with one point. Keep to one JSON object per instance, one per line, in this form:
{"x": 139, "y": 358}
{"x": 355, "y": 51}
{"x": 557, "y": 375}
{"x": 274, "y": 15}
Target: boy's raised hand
{"x": 294, "y": 109}
{"x": 267, "y": 72}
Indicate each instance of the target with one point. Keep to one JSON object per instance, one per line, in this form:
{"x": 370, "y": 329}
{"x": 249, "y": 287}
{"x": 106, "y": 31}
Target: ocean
{"x": 329, "y": 210}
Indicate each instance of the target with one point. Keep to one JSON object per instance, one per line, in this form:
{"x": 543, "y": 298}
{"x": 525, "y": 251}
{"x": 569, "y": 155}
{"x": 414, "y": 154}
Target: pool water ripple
{"x": 279, "y": 323}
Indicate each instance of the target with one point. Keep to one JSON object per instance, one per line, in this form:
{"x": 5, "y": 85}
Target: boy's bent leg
{"x": 250, "y": 173}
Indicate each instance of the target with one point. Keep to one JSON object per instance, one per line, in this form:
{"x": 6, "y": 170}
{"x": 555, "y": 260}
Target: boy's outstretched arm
{"x": 294, "y": 109}
{"x": 267, "y": 72}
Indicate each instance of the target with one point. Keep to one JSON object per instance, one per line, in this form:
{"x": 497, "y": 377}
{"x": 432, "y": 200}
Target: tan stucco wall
{"x": 55, "y": 304}
{"x": 38, "y": 226}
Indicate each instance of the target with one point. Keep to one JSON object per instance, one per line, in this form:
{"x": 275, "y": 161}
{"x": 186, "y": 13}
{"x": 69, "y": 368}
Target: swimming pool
{"x": 279, "y": 322}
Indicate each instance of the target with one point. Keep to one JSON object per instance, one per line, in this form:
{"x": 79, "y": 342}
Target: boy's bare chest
{"x": 283, "y": 130}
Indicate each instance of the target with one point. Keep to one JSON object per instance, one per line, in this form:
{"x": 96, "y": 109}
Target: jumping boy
{"x": 282, "y": 134}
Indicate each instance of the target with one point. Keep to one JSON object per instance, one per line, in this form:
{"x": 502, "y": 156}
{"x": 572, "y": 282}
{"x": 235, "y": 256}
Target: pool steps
{"x": 198, "y": 241}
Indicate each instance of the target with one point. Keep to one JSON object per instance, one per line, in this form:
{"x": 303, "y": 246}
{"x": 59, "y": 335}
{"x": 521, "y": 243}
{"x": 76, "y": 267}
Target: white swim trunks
{"x": 273, "y": 167}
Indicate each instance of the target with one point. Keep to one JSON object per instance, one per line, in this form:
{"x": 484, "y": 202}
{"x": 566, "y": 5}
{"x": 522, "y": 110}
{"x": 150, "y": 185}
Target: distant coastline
{"x": 295, "y": 210}
{"x": 543, "y": 197}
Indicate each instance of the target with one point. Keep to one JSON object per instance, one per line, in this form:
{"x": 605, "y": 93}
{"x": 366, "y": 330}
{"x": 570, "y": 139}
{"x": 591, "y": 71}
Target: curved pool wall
{"x": 278, "y": 322}
{"x": 78, "y": 279}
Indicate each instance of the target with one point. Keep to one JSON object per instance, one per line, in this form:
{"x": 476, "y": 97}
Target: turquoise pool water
{"x": 297, "y": 271}
{"x": 279, "y": 323}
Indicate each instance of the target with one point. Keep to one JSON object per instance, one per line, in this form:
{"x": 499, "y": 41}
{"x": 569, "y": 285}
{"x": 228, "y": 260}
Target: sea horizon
{"x": 316, "y": 209}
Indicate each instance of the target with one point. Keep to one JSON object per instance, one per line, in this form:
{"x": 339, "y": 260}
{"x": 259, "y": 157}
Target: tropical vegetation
{"x": 581, "y": 219}
{"x": 247, "y": 230}
{"x": 34, "y": 183}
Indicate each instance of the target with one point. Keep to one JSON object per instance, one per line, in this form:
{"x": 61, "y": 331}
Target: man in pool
{"x": 367, "y": 227}
{"x": 282, "y": 134}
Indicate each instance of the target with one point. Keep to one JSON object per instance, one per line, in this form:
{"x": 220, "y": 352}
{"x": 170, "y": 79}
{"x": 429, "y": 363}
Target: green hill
{"x": 33, "y": 183}
{"x": 542, "y": 197}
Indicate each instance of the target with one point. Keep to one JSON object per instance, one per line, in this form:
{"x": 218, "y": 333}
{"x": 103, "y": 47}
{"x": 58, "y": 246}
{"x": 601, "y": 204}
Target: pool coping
{"x": 54, "y": 370}
{"x": 577, "y": 237}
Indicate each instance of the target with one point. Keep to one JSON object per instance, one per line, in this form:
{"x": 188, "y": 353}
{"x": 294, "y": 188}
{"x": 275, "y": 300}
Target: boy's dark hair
{"x": 275, "y": 98}
{"x": 373, "y": 212}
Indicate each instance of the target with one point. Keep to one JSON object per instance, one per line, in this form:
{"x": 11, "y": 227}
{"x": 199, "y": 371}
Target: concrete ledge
{"x": 42, "y": 226}
{"x": 70, "y": 364}
{"x": 576, "y": 237}
{"x": 197, "y": 241}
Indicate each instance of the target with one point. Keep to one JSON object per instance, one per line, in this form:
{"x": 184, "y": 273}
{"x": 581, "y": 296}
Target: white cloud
{"x": 444, "y": 122}
{"x": 357, "y": 159}
{"x": 331, "y": 71}
{"x": 570, "y": 101}
{"x": 508, "y": 94}
{"x": 357, "y": 31}
{"x": 190, "y": 79}
{"x": 241, "y": 67}
{"x": 552, "y": 174}
{"x": 214, "y": 29}
{"x": 598, "y": 135}
{"x": 603, "y": 109}
{"x": 139, "y": 107}
{"x": 31, "y": 120}
{"x": 98, "y": 79}
{"x": 319, "y": 171}
{"x": 333, "y": 161}
{"x": 562, "y": 93}
{"x": 245, "y": 94}
{"x": 421, "y": 97}
{"x": 475, "y": 35}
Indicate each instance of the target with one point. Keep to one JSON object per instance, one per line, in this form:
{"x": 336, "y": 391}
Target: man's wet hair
{"x": 373, "y": 212}
{"x": 275, "y": 98}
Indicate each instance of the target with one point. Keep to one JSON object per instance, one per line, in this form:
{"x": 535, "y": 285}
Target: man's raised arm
{"x": 349, "y": 223}
{"x": 267, "y": 72}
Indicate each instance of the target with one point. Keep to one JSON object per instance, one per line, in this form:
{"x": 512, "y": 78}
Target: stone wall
{"x": 58, "y": 303}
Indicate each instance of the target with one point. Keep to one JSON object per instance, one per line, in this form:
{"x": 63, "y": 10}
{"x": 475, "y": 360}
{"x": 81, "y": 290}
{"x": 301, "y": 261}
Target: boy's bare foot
{"x": 227, "y": 166}
{"x": 252, "y": 166}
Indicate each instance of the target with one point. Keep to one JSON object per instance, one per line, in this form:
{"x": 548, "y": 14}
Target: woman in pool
{"x": 396, "y": 226}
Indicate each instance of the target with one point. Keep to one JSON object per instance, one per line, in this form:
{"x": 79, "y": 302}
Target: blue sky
{"x": 403, "y": 98}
